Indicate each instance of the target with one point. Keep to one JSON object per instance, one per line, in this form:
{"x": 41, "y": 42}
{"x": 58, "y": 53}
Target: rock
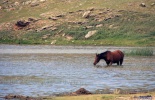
{"x": 88, "y": 27}
{"x": 53, "y": 18}
{"x": 107, "y": 18}
{"x": 118, "y": 15}
{"x": 34, "y": 4}
{"x": 10, "y": 96}
{"x": 100, "y": 25}
{"x": 22, "y": 23}
{"x": 5, "y": 1}
{"x": 69, "y": 37}
{"x": 142, "y": 5}
{"x": 77, "y": 22}
{"x": 81, "y": 91}
{"x": 46, "y": 36}
{"x": 147, "y": 97}
{"x": 70, "y": 12}
{"x": 34, "y": 1}
{"x": 20, "y": 97}
{"x": 79, "y": 10}
{"x": 27, "y": 2}
{"x": 92, "y": 9}
{"x": 53, "y": 28}
{"x": 16, "y": 4}
{"x": 90, "y": 33}
{"x": 33, "y": 19}
{"x": 54, "y": 41}
{"x": 86, "y": 14}
{"x": 111, "y": 26}
{"x": 152, "y": 4}
{"x": 63, "y": 34}
{"x": 46, "y": 27}
{"x": 0, "y": 7}
{"x": 60, "y": 15}
{"x": 42, "y": 0}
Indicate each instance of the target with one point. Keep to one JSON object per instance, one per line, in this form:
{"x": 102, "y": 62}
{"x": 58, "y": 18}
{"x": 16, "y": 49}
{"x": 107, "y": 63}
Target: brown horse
{"x": 110, "y": 57}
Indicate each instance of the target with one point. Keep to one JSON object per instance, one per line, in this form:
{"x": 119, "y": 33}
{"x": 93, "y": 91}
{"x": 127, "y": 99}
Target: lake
{"x": 44, "y": 70}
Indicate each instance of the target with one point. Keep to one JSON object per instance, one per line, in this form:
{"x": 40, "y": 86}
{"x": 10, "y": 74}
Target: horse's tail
{"x": 122, "y": 56}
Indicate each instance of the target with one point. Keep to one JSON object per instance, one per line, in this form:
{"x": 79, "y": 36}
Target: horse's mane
{"x": 103, "y": 53}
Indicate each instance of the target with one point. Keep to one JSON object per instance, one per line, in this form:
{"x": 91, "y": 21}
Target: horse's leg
{"x": 118, "y": 63}
{"x": 107, "y": 63}
{"x": 121, "y": 61}
{"x": 110, "y": 63}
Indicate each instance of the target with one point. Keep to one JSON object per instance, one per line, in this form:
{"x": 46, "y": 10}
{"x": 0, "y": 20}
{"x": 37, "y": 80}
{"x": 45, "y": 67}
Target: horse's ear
{"x": 97, "y": 54}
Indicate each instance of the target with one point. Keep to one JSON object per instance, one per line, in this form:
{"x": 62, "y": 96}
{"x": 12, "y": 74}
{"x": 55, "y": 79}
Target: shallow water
{"x": 47, "y": 70}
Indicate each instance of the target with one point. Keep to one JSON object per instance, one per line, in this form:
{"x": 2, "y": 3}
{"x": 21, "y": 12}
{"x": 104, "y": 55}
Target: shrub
{"x": 140, "y": 52}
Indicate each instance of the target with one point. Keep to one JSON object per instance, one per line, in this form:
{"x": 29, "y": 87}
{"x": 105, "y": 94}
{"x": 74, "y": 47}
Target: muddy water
{"x": 47, "y": 70}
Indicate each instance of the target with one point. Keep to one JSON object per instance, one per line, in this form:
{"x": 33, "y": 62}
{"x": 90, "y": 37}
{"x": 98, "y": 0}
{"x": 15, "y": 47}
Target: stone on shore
{"x": 90, "y": 33}
{"x": 81, "y": 91}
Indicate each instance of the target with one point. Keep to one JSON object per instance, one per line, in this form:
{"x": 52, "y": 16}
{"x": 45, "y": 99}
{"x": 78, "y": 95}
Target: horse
{"x": 110, "y": 57}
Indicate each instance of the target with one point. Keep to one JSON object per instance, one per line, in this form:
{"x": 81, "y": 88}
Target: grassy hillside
{"x": 66, "y": 22}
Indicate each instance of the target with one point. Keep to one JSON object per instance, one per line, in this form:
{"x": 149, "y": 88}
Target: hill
{"x": 78, "y": 22}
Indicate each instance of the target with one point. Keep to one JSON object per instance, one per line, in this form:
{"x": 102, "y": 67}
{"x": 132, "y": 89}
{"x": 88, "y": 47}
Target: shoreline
{"x": 94, "y": 96}
{"x": 79, "y": 44}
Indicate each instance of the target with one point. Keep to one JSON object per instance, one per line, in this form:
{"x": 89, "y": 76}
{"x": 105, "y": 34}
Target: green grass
{"x": 140, "y": 52}
{"x": 132, "y": 31}
{"x": 108, "y": 97}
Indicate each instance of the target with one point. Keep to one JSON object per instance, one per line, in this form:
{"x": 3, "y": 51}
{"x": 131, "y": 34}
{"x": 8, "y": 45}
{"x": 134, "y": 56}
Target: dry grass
{"x": 104, "y": 97}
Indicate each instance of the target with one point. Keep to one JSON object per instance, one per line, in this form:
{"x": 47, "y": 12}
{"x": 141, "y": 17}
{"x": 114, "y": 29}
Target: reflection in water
{"x": 40, "y": 74}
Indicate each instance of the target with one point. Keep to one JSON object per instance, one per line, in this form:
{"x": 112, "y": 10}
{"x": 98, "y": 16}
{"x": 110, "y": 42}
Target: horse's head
{"x": 101, "y": 56}
{"x": 97, "y": 59}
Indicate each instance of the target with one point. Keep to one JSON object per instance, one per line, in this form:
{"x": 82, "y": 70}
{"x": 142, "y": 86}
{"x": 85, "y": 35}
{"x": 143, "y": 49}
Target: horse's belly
{"x": 116, "y": 58}
{"x": 115, "y": 61}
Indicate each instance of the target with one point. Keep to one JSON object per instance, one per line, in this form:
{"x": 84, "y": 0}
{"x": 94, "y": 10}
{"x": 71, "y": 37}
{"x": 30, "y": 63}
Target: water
{"x": 47, "y": 70}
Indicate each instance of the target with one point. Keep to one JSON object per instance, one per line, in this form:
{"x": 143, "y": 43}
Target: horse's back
{"x": 117, "y": 55}
{"x": 120, "y": 52}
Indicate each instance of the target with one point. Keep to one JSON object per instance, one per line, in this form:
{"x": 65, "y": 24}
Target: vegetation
{"x": 140, "y": 52}
{"x": 103, "y": 97}
{"x": 127, "y": 23}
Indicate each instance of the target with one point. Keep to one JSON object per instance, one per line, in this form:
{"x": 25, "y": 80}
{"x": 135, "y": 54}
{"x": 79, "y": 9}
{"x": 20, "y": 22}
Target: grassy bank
{"x": 106, "y": 97}
{"x": 140, "y": 52}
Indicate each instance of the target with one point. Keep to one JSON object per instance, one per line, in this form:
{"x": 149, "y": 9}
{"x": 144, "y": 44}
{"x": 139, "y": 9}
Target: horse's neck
{"x": 102, "y": 56}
